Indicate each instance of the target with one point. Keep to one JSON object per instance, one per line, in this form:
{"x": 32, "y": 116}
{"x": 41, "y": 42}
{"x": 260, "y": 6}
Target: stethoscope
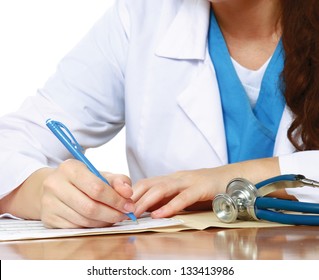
{"x": 246, "y": 201}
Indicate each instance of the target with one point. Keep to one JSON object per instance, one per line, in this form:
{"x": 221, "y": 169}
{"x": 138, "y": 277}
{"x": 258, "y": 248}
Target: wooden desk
{"x": 223, "y": 244}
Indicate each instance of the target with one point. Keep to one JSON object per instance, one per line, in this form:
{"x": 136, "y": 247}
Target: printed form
{"x": 11, "y": 229}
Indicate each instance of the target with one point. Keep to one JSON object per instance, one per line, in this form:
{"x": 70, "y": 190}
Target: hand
{"x": 167, "y": 195}
{"x": 74, "y": 197}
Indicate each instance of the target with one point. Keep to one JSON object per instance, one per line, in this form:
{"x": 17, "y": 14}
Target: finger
{"x": 95, "y": 188}
{"x": 50, "y": 206}
{"x": 144, "y": 185}
{"x": 57, "y": 214}
{"x": 171, "y": 182}
{"x": 113, "y": 178}
{"x": 122, "y": 188}
{"x": 70, "y": 221}
{"x": 56, "y": 189}
{"x": 119, "y": 182}
{"x": 153, "y": 196}
{"x": 65, "y": 221}
{"x": 86, "y": 207}
{"x": 139, "y": 189}
{"x": 147, "y": 201}
{"x": 178, "y": 203}
{"x": 58, "y": 222}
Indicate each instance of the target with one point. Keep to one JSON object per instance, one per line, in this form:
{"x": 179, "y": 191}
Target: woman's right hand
{"x": 71, "y": 196}
{"x": 74, "y": 197}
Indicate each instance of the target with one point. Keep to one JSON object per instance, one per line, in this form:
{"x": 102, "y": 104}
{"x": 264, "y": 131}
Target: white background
{"x": 34, "y": 36}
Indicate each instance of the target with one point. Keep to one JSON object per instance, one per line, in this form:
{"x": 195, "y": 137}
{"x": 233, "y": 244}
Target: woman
{"x": 148, "y": 64}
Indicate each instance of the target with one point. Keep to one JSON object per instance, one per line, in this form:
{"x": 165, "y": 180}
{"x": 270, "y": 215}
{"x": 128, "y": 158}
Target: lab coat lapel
{"x": 282, "y": 145}
{"x": 201, "y": 103}
{"x": 187, "y": 34}
{"x": 186, "y": 39}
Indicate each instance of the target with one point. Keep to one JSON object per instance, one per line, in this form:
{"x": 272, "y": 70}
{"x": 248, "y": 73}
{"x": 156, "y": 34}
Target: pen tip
{"x": 132, "y": 217}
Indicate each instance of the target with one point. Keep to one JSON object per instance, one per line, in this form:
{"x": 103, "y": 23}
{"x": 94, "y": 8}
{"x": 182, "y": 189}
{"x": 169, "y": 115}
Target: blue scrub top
{"x": 250, "y": 132}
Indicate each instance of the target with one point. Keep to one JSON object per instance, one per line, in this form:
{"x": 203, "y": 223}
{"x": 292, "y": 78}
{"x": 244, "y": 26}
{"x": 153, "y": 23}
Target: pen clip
{"x": 69, "y": 136}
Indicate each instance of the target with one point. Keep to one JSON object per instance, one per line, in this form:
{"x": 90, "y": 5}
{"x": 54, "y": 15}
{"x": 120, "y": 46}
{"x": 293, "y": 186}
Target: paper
{"x": 207, "y": 219}
{"x": 21, "y": 229}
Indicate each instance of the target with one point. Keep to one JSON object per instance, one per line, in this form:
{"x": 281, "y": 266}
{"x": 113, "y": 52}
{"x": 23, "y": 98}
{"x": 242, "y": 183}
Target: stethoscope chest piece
{"x": 237, "y": 203}
{"x": 246, "y": 201}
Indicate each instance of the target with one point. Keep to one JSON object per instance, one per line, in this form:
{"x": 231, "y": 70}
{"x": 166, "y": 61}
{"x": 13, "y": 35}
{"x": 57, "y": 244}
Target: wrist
{"x": 25, "y": 200}
{"x": 254, "y": 171}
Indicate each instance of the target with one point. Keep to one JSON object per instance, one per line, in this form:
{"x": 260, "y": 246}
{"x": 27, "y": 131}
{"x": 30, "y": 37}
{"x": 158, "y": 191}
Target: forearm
{"x": 25, "y": 201}
{"x": 255, "y": 171}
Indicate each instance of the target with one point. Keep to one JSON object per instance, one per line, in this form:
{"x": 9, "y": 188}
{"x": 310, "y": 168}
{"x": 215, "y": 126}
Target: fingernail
{"x": 129, "y": 207}
{"x": 127, "y": 185}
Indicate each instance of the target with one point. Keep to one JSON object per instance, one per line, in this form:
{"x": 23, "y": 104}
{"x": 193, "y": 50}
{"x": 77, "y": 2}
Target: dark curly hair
{"x": 300, "y": 37}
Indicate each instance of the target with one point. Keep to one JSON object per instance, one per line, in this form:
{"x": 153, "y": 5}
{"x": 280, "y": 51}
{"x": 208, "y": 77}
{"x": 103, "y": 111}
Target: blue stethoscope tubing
{"x": 246, "y": 201}
{"x": 262, "y": 212}
{"x": 264, "y": 204}
{"x": 289, "y": 219}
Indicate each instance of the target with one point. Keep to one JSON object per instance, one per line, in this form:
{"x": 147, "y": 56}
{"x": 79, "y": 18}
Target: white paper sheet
{"x": 21, "y": 229}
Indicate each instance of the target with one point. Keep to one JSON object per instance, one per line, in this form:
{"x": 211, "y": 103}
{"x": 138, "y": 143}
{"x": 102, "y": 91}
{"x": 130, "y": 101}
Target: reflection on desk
{"x": 223, "y": 244}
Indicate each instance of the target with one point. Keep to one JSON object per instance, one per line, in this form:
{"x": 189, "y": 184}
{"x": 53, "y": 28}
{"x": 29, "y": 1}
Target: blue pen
{"x": 76, "y": 150}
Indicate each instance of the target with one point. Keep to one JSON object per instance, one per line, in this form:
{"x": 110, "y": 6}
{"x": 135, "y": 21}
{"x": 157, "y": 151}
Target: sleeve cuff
{"x": 304, "y": 163}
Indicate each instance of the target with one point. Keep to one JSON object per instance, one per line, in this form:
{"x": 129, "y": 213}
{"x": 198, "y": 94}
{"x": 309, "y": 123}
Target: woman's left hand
{"x": 167, "y": 195}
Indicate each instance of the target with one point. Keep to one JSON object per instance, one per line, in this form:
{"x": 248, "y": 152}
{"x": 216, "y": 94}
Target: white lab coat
{"x": 145, "y": 64}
